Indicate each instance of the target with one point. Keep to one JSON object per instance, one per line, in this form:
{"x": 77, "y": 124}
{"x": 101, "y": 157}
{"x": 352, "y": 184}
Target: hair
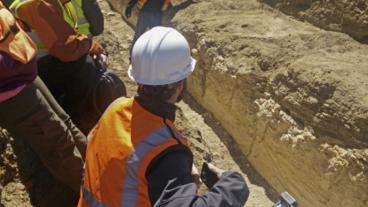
{"x": 161, "y": 92}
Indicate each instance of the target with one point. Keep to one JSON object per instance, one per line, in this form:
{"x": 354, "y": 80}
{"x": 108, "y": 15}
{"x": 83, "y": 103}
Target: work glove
{"x": 96, "y": 48}
{"x": 128, "y": 11}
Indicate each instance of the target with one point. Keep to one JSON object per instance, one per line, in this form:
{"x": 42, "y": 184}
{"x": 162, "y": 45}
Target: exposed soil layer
{"x": 348, "y": 16}
{"x": 294, "y": 97}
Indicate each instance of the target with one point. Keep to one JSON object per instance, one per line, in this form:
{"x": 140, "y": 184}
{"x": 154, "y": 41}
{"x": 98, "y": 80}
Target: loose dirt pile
{"x": 348, "y": 16}
{"x": 12, "y": 191}
{"x": 294, "y": 97}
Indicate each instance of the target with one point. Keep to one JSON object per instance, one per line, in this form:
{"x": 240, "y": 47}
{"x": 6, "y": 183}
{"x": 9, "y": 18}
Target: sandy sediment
{"x": 347, "y": 16}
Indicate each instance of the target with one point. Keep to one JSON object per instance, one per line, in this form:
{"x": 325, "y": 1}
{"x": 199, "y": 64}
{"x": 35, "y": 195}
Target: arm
{"x": 230, "y": 191}
{"x": 62, "y": 41}
{"x": 94, "y": 16}
{"x": 178, "y": 160}
{"x": 175, "y": 187}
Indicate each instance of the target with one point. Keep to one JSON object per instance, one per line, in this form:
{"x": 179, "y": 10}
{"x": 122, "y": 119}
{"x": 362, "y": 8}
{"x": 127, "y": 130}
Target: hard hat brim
{"x": 184, "y": 74}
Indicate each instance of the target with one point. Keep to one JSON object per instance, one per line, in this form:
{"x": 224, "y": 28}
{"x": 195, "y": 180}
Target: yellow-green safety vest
{"x": 82, "y": 23}
{"x": 73, "y": 15}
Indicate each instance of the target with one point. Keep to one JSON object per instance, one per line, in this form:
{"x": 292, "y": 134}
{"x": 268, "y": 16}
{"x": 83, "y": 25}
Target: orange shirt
{"x": 61, "y": 40}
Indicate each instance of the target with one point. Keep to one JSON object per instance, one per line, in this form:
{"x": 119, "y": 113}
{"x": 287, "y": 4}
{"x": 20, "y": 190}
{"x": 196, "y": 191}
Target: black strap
{"x": 172, "y": 132}
{"x": 13, "y": 29}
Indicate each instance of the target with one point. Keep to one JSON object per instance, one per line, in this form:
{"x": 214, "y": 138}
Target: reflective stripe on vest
{"x": 90, "y": 200}
{"x": 74, "y": 15}
{"x": 128, "y": 163}
{"x": 83, "y": 25}
{"x": 130, "y": 193}
{"x": 70, "y": 14}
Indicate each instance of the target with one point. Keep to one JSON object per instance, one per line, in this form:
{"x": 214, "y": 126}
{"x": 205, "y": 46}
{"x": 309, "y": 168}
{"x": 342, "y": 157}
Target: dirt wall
{"x": 294, "y": 97}
{"x": 350, "y": 16}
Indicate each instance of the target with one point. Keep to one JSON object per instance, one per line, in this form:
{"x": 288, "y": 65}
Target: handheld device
{"x": 286, "y": 200}
{"x": 208, "y": 177}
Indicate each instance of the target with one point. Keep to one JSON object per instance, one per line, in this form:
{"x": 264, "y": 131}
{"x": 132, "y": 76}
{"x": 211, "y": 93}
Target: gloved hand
{"x": 128, "y": 11}
{"x": 96, "y": 48}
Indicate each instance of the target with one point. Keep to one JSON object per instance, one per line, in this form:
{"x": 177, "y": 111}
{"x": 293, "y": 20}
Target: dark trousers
{"x": 35, "y": 117}
{"x": 71, "y": 83}
{"x": 146, "y": 20}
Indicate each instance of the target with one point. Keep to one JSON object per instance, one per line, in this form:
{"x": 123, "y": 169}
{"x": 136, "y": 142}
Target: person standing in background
{"x": 150, "y": 14}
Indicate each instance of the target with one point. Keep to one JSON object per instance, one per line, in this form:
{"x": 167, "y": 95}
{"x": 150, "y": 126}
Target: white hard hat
{"x": 161, "y": 56}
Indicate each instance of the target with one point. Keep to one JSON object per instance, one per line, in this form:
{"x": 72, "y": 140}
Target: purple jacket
{"x": 14, "y": 74}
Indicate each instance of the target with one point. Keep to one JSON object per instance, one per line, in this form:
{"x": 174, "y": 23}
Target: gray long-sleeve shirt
{"x": 171, "y": 185}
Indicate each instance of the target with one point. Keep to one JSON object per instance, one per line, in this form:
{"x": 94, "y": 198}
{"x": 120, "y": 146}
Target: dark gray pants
{"x": 146, "y": 20}
{"x": 72, "y": 84}
{"x": 35, "y": 117}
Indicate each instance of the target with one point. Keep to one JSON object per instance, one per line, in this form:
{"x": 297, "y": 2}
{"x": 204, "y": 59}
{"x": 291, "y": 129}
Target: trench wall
{"x": 294, "y": 97}
{"x": 347, "y": 16}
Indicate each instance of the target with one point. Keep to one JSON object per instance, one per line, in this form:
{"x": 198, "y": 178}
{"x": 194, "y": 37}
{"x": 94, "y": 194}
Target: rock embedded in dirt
{"x": 14, "y": 195}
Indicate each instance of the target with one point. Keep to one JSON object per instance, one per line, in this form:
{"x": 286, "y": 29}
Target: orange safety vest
{"x": 120, "y": 149}
{"x": 13, "y": 40}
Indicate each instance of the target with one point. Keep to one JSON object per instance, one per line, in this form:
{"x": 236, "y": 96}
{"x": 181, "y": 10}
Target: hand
{"x": 101, "y": 57}
{"x": 216, "y": 170}
{"x": 196, "y": 177}
{"x": 128, "y": 11}
{"x": 96, "y": 49}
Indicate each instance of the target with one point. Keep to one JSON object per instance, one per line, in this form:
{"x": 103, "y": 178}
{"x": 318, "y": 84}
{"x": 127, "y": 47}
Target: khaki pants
{"x": 35, "y": 117}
